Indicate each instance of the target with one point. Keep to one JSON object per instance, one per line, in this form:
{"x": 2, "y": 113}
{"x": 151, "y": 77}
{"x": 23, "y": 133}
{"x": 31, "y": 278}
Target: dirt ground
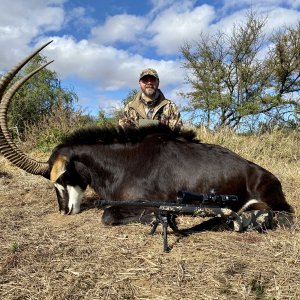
{"x": 44, "y": 255}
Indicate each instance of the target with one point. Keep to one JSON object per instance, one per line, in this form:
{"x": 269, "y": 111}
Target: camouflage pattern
{"x": 164, "y": 111}
{"x": 257, "y": 220}
{"x": 149, "y": 71}
{"x": 254, "y": 219}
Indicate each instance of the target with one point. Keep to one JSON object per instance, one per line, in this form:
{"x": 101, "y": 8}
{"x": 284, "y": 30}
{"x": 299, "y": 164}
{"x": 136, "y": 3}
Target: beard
{"x": 149, "y": 92}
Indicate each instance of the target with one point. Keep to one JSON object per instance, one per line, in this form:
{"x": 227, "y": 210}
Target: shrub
{"x": 51, "y": 129}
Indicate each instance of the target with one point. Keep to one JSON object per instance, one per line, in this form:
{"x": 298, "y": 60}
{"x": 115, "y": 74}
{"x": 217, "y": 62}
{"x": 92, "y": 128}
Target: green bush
{"x": 52, "y": 129}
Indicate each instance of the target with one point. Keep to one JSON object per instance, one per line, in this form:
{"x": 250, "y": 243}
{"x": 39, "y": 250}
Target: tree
{"x": 285, "y": 81}
{"x": 39, "y": 96}
{"x": 232, "y": 81}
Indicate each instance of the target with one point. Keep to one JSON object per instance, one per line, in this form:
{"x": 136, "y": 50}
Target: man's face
{"x": 149, "y": 85}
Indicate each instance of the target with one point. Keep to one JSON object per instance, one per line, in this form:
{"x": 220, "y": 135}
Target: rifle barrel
{"x": 174, "y": 206}
{"x": 134, "y": 203}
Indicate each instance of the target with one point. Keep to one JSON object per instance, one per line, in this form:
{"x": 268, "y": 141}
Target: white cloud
{"x": 108, "y": 67}
{"x": 124, "y": 28}
{"x": 79, "y": 17}
{"x": 178, "y": 24}
{"x": 226, "y": 23}
{"x": 22, "y": 21}
{"x": 96, "y": 58}
{"x": 279, "y": 12}
{"x": 108, "y": 104}
{"x": 237, "y": 4}
{"x": 281, "y": 17}
{"x": 32, "y": 14}
{"x": 163, "y": 5}
{"x": 276, "y": 17}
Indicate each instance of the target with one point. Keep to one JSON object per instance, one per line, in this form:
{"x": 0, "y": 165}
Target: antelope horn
{"x": 7, "y": 147}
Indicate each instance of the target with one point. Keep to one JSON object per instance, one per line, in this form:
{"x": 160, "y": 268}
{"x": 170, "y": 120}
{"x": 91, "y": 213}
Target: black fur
{"x": 111, "y": 135}
{"x": 154, "y": 163}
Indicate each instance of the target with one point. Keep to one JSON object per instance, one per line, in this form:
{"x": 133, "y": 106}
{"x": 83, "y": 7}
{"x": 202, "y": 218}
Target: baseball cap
{"x": 149, "y": 71}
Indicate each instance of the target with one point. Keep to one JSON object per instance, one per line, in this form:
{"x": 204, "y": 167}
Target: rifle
{"x": 194, "y": 204}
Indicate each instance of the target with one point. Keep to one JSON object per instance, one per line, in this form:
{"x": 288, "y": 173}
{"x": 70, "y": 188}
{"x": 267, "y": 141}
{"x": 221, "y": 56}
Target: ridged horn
{"x": 7, "y": 147}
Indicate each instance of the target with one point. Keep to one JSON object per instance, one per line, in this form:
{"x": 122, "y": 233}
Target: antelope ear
{"x": 59, "y": 167}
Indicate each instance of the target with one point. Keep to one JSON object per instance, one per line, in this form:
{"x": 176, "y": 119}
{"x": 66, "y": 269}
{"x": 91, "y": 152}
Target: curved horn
{"x": 6, "y": 79}
{"x": 7, "y": 147}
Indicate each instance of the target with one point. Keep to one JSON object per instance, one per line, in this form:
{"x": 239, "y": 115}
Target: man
{"x": 150, "y": 106}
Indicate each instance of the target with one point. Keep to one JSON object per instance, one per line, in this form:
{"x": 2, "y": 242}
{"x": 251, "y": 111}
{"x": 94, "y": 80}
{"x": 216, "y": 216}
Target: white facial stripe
{"x": 60, "y": 189}
{"x": 75, "y": 197}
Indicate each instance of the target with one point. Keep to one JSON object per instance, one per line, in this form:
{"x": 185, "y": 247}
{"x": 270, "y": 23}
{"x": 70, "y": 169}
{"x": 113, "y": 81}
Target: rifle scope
{"x": 210, "y": 198}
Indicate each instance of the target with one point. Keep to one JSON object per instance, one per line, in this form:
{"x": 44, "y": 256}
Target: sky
{"x": 100, "y": 47}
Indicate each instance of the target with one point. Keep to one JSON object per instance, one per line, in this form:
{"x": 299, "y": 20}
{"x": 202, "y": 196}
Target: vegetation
{"x": 61, "y": 121}
{"x": 39, "y": 97}
{"x": 118, "y": 113}
{"x": 243, "y": 80}
{"x": 44, "y": 255}
{"x": 245, "y": 77}
{"x": 52, "y": 128}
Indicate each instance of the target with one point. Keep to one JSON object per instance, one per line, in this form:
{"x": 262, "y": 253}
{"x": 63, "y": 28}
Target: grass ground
{"x": 44, "y": 255}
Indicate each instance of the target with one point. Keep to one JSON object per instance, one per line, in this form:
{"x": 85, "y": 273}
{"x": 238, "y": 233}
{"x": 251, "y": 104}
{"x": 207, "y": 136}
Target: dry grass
{"x": 44, "y": 255}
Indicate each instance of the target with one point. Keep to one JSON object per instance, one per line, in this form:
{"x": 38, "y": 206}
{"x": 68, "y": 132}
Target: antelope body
{"x": 138, "y": 164}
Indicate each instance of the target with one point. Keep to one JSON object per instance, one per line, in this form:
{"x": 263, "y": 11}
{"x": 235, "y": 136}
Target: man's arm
{"x": 172, "y": 116}
{"x": 129, "y": 118}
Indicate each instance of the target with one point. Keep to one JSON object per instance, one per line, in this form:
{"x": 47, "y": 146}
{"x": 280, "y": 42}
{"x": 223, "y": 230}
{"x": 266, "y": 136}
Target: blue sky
{"x": 100, "y": 47}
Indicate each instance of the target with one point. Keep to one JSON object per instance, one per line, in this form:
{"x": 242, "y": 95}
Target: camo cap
{"x": 149, "y": 71}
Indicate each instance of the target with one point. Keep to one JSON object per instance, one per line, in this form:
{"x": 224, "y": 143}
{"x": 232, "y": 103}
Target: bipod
{"x": 166, "y": 219}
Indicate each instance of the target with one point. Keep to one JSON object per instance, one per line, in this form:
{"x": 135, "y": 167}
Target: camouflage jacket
{"x": 164, "y": 111}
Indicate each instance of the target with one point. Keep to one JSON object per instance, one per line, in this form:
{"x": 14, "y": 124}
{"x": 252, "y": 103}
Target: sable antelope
{"x": 138, "y": 164}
